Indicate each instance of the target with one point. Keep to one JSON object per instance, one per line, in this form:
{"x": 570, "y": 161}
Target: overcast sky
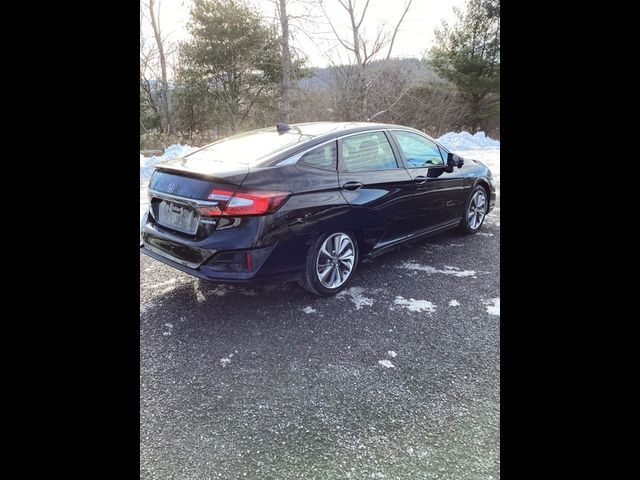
{"x": 415, "y": 35}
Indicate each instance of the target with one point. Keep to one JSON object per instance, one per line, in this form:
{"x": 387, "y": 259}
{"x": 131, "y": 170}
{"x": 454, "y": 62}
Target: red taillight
{"x": 255, "y": 202}
{"x": 210, "y": 211}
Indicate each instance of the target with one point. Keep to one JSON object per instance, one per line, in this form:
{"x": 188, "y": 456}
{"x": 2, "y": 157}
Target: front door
{"x": 377, "y": 186}
{"x": 439, "y": 196}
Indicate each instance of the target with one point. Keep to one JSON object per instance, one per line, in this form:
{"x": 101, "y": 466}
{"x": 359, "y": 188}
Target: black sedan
{"x": 308, "y": 202}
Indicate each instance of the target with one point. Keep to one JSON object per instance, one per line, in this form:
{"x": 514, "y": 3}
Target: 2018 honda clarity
{"x": 308, "y": 202}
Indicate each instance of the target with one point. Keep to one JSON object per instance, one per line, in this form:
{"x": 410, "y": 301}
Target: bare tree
{"x": 154, "y": 17}
{"x": 365, "y": 50}
{"x": 286, "y": 59}
{"x": 433, "y": 107}
{"x": 300, "y": 19}
{"x": 149, "y": 98}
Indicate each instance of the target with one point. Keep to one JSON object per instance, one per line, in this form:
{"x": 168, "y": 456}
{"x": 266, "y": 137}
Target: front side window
{"x": 367, "y": 152}
{"x": 322, "y": 157}
{"x": 419, "y": 151}
{"x": 444, "y": 154}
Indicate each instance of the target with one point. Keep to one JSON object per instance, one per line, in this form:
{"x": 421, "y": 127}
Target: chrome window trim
{"x": 294, "y": 159}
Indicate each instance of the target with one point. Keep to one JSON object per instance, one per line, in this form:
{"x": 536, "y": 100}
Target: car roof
{"x": 317, "y": 129}
{"x": 320, "y": 132}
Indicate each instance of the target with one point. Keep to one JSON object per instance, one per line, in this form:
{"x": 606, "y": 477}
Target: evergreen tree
{"x": 232, "y": 64}
{"x": 468, "y": 55}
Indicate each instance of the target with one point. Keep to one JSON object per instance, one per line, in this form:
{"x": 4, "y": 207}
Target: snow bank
{"x": 465, "y": 141}
{"x": 174, "y": 151}
{"x": 489, "y": 156}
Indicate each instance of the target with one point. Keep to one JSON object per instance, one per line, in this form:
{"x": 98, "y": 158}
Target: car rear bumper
{"x": 205, "y": 273}
{"x": 279, "y": 261}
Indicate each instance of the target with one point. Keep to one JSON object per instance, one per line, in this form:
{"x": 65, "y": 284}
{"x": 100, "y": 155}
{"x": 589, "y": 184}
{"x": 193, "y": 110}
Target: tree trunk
{"x": 363, "y": 95}
{"x": 362, "y": 82}
{"x": 286, "y": 61}
{"x": 163, "y": 66}
{"x": 476, "y": 108}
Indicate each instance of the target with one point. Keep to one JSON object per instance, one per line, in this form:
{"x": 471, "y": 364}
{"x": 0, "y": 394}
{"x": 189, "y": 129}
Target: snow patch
{"x": 448, "y": 270}
{"x": 386, "y": 363}
{"x": 147, "y": 306}
{"x": 392, "y": 354}
{"x": 308, "y": 310}
{"x": 199, "y": 295}
{"x": 454, "y": 303}
{"x": 168, "y": 285}
{"x": 147, "y": 164}
{"x": 465, "y": 141}
{"x": 161, "y": 284}
{"x": 168, "y": 289}
{"x": 169, "y": 331}
{"x": 415, "y": 305}
{"x": 248, "y": 293}
{"x": 355, "y": 294}
{"x": 493, "y": 306}
{"x": 226, "y": 360}
{"x": 489, "y": 156}
{"x": 220, "y": 290}
{"x": 144, "y": 200}
{"x": 485, "y": 234}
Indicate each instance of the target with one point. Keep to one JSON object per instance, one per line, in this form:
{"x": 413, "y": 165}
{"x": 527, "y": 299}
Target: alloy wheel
{"x": 477, "y": 210}
{"x": 335, "y": 260}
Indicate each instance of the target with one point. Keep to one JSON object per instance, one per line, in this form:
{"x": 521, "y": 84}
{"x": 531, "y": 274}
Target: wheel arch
{"x": 482, "y": 182}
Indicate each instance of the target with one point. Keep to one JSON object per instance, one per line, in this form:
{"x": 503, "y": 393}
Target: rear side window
{"x": 367, "y": 152}
{"x": 419, "y": 151}
{"x": 322, "y": 157}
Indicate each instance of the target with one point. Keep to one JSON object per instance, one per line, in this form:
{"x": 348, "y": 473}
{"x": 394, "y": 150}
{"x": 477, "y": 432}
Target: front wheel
{"x": 331, "y": 263}
{"x": 475, "y": 211}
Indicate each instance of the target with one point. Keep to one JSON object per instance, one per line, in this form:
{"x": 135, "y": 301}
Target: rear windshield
{"x": 246, "y": 148}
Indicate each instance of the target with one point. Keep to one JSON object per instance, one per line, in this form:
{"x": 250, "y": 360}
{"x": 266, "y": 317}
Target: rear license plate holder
{"x": 178, "y": 216}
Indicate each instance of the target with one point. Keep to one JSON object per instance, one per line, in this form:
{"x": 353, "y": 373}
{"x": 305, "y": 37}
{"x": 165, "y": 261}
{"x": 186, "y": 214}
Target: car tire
{"x": 331, "y": 264}
{"x": 475, "y": 211}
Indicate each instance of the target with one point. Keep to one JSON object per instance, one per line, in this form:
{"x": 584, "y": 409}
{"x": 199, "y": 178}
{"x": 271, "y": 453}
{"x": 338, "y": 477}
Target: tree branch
{"x": 395, "y": 31}
{"x": 363, "y": 13}
{"x": 344, "y": 44}
{"x": 404, "y": 91}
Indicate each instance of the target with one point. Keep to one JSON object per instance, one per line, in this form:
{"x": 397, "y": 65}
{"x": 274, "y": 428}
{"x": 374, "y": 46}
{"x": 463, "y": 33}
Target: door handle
{"x": 420, "y": 179}
{"x": 352, "y": 185}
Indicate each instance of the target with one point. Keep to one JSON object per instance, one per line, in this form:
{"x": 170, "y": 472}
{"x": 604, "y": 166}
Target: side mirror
{"x": 454, "y": 161}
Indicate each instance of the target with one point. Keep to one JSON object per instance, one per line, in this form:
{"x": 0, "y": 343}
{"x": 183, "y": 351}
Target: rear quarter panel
{"x": 316, "y": 206}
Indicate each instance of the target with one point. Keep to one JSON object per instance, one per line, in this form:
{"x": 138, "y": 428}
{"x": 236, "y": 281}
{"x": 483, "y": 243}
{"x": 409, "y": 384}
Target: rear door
{"x": 377, "y": 186}
{"x": 439, "y": 195}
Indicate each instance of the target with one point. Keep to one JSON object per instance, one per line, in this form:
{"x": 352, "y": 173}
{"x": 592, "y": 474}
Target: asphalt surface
{"x": 390, "y": 380}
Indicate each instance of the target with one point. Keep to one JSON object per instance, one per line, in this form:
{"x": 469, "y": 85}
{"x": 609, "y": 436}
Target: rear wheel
{"x": 475, "y": 211}
{"x": 331, "y": 263}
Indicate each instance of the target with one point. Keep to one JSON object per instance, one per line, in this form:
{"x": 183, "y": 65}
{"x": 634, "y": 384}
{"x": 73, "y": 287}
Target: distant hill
{"x": 321, "y": 77}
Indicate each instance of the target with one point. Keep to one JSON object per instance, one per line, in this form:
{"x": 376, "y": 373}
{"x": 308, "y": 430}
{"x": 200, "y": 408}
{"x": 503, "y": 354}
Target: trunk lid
{"x": 179, "y": 186}
{"x": 205, "y": 167}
